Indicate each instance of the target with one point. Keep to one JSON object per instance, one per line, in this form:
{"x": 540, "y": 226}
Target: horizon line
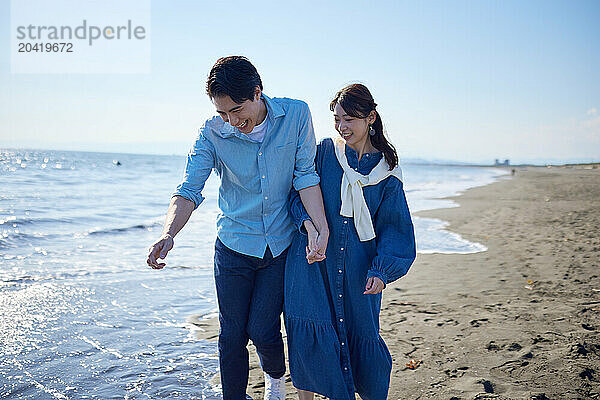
{"x": 408, "y": 160}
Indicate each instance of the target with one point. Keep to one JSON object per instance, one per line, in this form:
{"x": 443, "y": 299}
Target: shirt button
{"x": 340, "y": 295}
{"x": 345, "y": 368}
{"x": 343, "y": 343}
{"x": 260, "y": 154}
{"x": 345, "y": 222}
{"x": 342, "y": 249}
{"x": 266, "y": 197}
{"x": 263, "y": 177}
{"x": 341, "y": 319}
{"x": 340, "y": 271}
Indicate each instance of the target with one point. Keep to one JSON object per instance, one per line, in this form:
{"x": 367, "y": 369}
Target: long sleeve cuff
{"x": 389, "y": 267}
{"x": 300, "y": 215}
{"x": 377, "y": 274}
{"x": 298, "y": 212}
{"x": 301, "y": 227}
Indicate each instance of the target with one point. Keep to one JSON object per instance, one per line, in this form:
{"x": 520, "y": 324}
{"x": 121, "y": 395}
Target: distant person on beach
{"x": 261, "y": 148}
{"x": 332, "y": 307}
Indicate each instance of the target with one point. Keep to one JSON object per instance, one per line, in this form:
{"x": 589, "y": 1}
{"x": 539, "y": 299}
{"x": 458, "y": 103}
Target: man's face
{"x": 244, "y": 116}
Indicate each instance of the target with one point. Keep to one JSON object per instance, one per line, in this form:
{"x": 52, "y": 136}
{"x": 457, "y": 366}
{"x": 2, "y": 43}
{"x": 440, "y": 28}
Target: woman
{"x": 332, "y": 307}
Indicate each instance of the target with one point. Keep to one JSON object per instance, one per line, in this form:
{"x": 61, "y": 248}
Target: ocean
{"x": 83, "y": 316}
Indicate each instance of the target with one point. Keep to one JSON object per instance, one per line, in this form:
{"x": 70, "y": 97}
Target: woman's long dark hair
{"x": 357, "y": 101}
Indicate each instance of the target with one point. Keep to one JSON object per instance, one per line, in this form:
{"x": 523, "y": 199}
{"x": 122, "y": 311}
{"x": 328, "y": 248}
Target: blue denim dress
{"x": 333, "y": 328}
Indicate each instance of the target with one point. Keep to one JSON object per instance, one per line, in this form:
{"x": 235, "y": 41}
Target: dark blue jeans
{"x": 250, "y": 296}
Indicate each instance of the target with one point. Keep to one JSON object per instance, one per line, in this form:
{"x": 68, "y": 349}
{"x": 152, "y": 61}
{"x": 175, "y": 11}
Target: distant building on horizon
{"x": 504, "y": 163}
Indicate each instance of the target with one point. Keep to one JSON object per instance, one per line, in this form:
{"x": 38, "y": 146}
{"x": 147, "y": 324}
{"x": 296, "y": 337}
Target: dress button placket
{"x": 345, "y": 356}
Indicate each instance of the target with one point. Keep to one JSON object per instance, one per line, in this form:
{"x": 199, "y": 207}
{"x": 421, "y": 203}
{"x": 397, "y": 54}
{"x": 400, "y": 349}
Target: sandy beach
{"x": 518, "y": 321}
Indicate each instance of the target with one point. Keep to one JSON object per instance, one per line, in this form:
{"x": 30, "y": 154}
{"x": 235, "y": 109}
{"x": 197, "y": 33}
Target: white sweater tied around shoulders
{"x": 353, "y": 200}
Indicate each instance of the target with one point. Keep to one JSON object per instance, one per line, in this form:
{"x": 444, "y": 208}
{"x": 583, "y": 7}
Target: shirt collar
{"x": 367, "y": 162}
{"x": 274, "y": 110}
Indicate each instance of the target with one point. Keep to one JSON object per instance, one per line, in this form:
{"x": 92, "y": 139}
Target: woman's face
{"x": 353, "y": 130}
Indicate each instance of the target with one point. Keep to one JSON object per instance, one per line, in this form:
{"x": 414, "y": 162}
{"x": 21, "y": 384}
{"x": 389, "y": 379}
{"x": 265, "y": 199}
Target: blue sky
{"x": 458, "y": 80}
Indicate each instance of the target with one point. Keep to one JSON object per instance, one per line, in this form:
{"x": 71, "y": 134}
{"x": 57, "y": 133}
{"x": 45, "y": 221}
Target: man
{"x": 261, "y": 148}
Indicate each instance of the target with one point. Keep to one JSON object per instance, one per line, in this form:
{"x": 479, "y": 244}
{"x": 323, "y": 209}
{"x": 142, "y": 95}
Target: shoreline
{"x": 448, "y": 241}
{"x": 507, "y": 323}
{"x": 516, "y": 321}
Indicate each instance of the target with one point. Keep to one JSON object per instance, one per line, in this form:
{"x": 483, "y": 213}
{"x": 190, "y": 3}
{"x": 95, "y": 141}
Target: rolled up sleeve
{"x": 199, "y": 164}
{"x": 298, "y": 212}
{"x": 304, "y": 170}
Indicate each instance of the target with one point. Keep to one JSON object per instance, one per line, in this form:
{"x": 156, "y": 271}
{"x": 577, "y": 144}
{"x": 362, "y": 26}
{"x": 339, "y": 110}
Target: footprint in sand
{"x": 478, "y": 322}
{"x": 456, "y": 372}
{"x": 493, "y": 346}
{"x": 539, "y": 396}
{"x": 539, "y": 339}
{"x": 488, "y": 386}
{"x": 584, "y": 349}
{"x": 451, "y": 322}
{"x": 514, "y": 347}
{"x": 588, "y": 374}
{"x": 588, "y": 327}
{"x": 511, "y": 367}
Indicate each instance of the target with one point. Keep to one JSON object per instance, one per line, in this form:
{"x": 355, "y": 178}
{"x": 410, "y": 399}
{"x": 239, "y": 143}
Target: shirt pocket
{"x": 282, "y": 164}
{"x": 286, "y": 146}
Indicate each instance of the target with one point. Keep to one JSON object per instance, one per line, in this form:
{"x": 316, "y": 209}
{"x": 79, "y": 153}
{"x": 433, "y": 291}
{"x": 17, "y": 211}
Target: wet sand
{"x": 519, "y": 321}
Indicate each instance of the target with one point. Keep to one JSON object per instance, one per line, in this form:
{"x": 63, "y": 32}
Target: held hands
{"x": 159, "y": 250}
{"x": 315, "y": 251}
{"x": 374, "y": 285}
{"x": 317, "y": 243}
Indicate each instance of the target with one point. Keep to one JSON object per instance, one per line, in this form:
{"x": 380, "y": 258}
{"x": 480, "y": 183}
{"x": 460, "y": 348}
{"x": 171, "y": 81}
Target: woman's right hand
{"x": 314, "y": 239}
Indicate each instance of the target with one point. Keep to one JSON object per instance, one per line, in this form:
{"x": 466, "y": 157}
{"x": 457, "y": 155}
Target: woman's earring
{"x": 371, "y": 130}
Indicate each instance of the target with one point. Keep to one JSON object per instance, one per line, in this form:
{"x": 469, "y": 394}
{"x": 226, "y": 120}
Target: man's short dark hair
{"x": 233, "y": 76}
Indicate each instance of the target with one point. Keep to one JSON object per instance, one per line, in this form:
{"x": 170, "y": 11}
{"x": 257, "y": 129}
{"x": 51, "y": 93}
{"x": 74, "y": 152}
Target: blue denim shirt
{"x": 256, "y": 178}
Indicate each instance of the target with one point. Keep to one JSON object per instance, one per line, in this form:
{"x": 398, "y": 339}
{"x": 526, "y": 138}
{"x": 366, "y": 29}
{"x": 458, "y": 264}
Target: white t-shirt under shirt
{"x": 258, "y": 133}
